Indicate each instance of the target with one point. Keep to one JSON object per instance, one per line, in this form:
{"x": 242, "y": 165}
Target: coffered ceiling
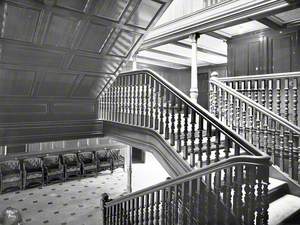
{"x": 69, "y": 48}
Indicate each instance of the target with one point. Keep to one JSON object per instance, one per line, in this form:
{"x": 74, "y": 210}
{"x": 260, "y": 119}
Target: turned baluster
{"x": 231, "y": 111}
{"x": 220, "y": 104}
{"x": 217, "y": 191}
{"x": 163, "y": 207}
{"x": 161, "y": 113}
{"x": 129, "y": 99}
{"x": 270, "y": 90}
{"x": 123, "y": 99}
{"x": 138, "y": 83}
{"x": 277, "y": 142}
{"x": 282, "y": 149}
{"x": 112, "y": 103}
{"x": 265, "y": 133}
{"x": 255, "y": 89}
{"x": 167, "y": 122}
{"x": 295, "y": 101}
{"x": 225, "y": 108}
{"x": 258, "y": 129}
{"x": 249, "y": 90}
{"x": 237, "y": 116}
{"x": 273, "y": 140}
{"x": 151, "y": 218}
{"x": 108, "y": 103}
{"x": 286, "y": 99}
{"x": 175, "y": 205}
{"x": 208, "y": 143}
{"x": 185, "y": 141}
{"x": 244, "y": 121}
{"x": 156, "y": 113}
{"x": 263, "y": 93}
{"x": 134, "y": 122}
{"x": 132, "y": 211}
{"x": 278, "y": 98}
{"x": 291, "y": 154}
{"x": 238, "y": 194}
{"x": 243, "y": 89}
{"x": 250, "y": 125}
{"x": 157, "y": 207}
{"x": 172, "y": 138}
{"x": 142, "y": 119}
{"x": 217, "y": 143}
{"x": 142, "y": 210}
{"x": 147, "y": 86}
{"x": 211, "y": 98}
{"x": 169, "y": 205}
{"x": 179, "y": 108}
{"x": 192, "y": 152}
{"x": 250, "y": 193}
{"x": 146, "y": 209}
{"x": 151, "y": 101}
{"x": 215, "y": 105}
{"x": 227, "y": 195}
{"x": 200, "y": 143}
{"x": 199, "y": 203}
{"x": 137, "y": 209}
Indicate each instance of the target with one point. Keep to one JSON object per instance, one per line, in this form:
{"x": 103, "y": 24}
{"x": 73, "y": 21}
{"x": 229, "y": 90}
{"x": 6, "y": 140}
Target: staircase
{"x": 229, "y": 178}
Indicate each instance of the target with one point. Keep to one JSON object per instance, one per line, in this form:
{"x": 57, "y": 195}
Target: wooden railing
{"x": 231, "y": 192}
{"x": 228, "y": 185}
{"x": 144, "y": 99}
{"x": 263, "y": 128}
{"x": 278, "y": 92}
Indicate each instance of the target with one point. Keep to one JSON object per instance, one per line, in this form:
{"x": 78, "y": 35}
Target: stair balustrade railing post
{"x": 213, "y": 95}
{"x": 103, "y": 209}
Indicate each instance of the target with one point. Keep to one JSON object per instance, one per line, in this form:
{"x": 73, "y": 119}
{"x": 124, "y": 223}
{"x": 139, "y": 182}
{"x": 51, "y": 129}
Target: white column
{"x": 194, "y": 73}
{"x": 129, "y": 168}
{"x": 134, "y": 64}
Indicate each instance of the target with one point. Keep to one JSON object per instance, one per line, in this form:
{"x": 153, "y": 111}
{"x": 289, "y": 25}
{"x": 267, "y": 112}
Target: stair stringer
{"x": 148, "y": 140}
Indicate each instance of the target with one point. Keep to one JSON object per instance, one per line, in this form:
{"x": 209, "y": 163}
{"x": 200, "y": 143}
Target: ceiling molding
{"x": 272, "y": 22}
{"x": 204, "y": 50}
{"x": 209, "y": 20}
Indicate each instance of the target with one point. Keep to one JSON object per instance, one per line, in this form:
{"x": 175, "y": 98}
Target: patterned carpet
{"x": 74, "y": 202}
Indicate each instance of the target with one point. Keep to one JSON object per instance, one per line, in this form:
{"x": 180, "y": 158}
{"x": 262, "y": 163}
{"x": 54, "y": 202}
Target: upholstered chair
{"x": 88, "y": 163}
{"x": 71, "y": 165}
{"x": 10, "y": 174}
{"x": 118, "y": 159}
{"x": 33, "y": 171}
{"x": 104, "y": 160}
{"x": 53, "y": 168}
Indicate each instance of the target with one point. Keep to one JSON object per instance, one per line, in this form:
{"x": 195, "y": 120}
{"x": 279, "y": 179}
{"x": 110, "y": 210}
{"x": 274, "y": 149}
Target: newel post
{"x": 103, "y": 209}
{"x": 213, "y": 95}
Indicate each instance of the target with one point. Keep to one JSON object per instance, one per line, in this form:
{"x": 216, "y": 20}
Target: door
{"x": 203, "y": 89}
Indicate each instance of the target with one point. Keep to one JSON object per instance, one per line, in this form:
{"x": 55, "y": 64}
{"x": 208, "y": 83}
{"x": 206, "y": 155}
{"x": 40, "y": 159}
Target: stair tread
{"x": 283, "y": 208}
{"x": 275, "y": 183}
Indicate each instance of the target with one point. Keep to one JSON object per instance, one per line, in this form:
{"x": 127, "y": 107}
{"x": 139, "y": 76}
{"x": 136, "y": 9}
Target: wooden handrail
{"x": 257, "y": 106}
{"x": 199, "y": 109}
{"x": 237, "y": 160}
{"x": 261, "y": 76}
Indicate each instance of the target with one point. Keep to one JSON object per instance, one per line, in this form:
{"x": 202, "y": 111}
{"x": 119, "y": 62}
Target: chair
{"x": 88, "y": 162}
{"x": 104, "y": 160}
{"x": 53, "y": 168}
{"x": 33, "y": 171}
{"x": 10, "y": 175}
{"x": 118, "y": 159}
{"x": 71, "y": 165}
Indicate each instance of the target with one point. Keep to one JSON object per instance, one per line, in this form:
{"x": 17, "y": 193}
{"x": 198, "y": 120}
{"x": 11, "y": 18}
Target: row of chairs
{"x": 42, "y": 170}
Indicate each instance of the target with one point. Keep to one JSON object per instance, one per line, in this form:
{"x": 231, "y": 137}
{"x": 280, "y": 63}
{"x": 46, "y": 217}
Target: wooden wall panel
{"x": 264, "y": 52}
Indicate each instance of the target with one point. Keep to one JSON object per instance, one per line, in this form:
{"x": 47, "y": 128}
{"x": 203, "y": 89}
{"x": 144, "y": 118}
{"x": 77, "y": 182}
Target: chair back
{"x": 51, "y": 161}
{"x": 70, "y": 159}
{"x": 10, "y": 167}
{"x": 33, "y": 164}
{"x": 86, "y": 157}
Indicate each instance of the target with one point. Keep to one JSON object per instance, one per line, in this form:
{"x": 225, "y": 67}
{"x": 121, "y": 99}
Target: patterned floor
{"x": 71, "y": 203}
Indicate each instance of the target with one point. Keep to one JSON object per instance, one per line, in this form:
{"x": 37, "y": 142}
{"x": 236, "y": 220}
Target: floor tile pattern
{"x": 74, "y": 202}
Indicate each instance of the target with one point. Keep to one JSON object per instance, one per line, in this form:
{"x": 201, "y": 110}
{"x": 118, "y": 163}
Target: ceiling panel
{"x": 83, "y": 63}
{"x": 60, "y": 31}
{"x": 289, "y": 16}
{"x": 144, "y": 13}
{"x": 92, "y": 42}
{"x": 90, "y": 86}
{"x": 15, "y": 82}
{"x": 124, "y": 43}
{"x": 74, "y": 46}
{"x": 72, "y": 4}
{"x": 19, "y": 23}
{"x": 56, "y": 84}
{"x": 25, "y": 55}
{"x": 109, "y": 9}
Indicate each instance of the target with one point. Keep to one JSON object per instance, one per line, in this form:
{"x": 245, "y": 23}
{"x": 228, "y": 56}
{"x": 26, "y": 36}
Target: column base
{"x": 194, "y": 95}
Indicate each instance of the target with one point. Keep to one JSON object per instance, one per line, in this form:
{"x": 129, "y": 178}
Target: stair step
{"x": 277, "y": 189}
{"x": 283, "y": 208}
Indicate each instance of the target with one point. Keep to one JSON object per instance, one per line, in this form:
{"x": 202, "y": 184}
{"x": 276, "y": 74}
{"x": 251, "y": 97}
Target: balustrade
{"x": 263, "y": 128}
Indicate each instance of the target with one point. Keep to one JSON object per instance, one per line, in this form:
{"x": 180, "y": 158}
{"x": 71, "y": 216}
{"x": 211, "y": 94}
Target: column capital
{"x": 194, "y": 37}
{"x": 214, "y": 74}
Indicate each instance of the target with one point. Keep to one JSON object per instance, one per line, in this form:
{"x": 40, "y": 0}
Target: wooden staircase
{"x": 221, "y": 155}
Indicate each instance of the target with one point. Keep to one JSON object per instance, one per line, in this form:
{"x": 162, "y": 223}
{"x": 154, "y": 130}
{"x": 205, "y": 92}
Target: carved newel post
{"x": 104, "y": 200}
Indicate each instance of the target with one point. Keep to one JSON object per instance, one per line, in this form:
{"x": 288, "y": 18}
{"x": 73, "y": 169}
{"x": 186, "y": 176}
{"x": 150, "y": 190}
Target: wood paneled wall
{"x": 20, "y": 109}
{"x": 264, "y": 52}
